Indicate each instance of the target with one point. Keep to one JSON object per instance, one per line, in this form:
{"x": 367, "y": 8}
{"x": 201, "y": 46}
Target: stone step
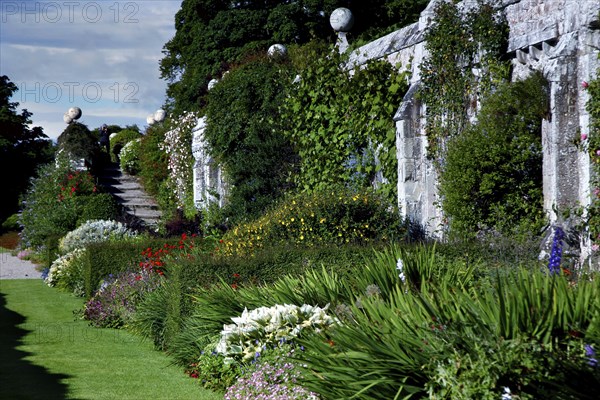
{"x": 138, "y": 203}
{"x": 144, "y": 213}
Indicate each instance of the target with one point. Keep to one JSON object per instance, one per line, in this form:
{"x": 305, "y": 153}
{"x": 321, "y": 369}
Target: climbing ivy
{"x": 593, "y": 146}
{"x": 463, "y": 65}
{"x": 340, "y": 123}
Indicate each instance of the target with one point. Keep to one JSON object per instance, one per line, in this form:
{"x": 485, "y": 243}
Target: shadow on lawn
{"x": 19, "y": 378}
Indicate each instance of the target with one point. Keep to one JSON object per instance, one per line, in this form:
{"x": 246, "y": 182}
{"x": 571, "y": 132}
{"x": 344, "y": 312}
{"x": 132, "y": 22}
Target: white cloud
{"x": 102, "y": 56}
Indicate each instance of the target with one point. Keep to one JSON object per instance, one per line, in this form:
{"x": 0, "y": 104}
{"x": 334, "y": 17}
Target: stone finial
{"x": 74, "y": 113}
{"x": 159, "y": 115}
{"x": 277, "y": 51}
{"x": 212, "y": 83}
{"x": 67, "y": 118}
{"x": 341, "y": 19}
{"x": 150, "y": 119}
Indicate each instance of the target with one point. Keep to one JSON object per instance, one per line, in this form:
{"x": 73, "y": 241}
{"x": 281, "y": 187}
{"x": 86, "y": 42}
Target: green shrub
{"x": 244, "y": 137}
{"x": 105, "y": 258}
{"x": 11, "y": 223}
{"x": 153, "y": 161}
{"x": 100, "y": 206}
{"x": 53, "y": 205}
{"x": 492, "y": 178}
{"x": 120, "y": 139}
{"x": 309, "y": 219}
{"x": 95, "y": 231}
{"x": 66, "y": 272}
{"x": 76, "y": 141}
{"x": 130, "y": 157}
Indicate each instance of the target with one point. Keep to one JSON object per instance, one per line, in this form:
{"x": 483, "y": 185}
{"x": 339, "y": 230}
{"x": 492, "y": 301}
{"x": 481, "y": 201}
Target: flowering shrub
{"x": 65, "y": 271}
{"x": 278, "y": 381}
{"x": 176, "y": 145}
{"x": 118, "y": 297}
{"x": 254, "y": 330}
{"x": 331, "y": 217}
{"x": 129, "y": 157}
{"x": 94, "y": 232}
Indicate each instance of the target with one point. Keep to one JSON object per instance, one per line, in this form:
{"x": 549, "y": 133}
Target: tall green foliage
{"x": 244, "y": 136}
{"x": 493, "y": 173}
{"x": 340, "y": 121}
{"x": 458, "y": 44}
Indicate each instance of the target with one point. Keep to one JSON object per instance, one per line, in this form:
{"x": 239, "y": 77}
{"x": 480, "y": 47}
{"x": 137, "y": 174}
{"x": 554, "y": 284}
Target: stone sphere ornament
{"x": 277, "y": 51}
{"x": 159, "y": 115}
{"x": 150, "y": 119}
{"x": 341, "y": 19}
{"x": 67, "y": 118}
{"x": 74, "y": 113}
{"x": 212, "y": 83}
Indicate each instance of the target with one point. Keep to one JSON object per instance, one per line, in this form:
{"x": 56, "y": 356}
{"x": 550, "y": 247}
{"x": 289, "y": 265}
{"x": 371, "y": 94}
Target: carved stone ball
{"x": 212, "y": 83}
{"x": 150, "y": 119}
{"x": 277, "y": 51}
{"x": 67, "y": 118}
{"x": 74, "y": 112}
{"x": 159, "y": 115}
{"x": 341, "y": 19}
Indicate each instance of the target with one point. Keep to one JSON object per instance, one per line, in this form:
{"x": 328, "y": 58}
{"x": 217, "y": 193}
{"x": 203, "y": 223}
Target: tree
{"x": 22, "y": 149}
{"x": 213, "y": 34}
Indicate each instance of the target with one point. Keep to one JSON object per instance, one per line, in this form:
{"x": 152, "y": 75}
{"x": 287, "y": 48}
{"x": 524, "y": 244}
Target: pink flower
{"x": 597, "y": 191}
{"x": 598, "y": 152}
{"x": 585, "y": 85}
{"x": 595, "y": 247}
{"x": 584, "y": 136}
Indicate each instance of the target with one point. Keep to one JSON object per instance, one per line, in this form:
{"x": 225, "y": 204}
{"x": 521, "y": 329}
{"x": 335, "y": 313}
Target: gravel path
{"x": 12, "y": 267}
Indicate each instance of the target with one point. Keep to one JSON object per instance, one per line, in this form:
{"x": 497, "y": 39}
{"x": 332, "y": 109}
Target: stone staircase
{"x": 128, "y": 192}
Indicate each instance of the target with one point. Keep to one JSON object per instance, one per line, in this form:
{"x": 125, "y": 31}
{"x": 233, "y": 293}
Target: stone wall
{"x": 560, "y": 38}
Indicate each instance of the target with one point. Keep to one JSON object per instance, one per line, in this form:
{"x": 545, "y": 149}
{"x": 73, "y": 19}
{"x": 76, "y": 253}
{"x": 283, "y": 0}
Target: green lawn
{"x": 46, "y": 354}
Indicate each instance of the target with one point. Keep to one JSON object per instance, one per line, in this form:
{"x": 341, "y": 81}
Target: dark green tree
{"x": 78, "y": 142}
{"x": 22, "y": 149}
{"x": 213, "y": 34}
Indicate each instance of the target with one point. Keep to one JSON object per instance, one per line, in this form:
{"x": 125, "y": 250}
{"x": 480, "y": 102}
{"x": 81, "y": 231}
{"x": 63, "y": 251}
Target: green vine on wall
{"x": 462, "y": 67}
{"x": 593, "y": 146}
{"x": 340, "y": 123}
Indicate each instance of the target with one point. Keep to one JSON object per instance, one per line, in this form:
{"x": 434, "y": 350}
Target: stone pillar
{"x": 417, "y": 177}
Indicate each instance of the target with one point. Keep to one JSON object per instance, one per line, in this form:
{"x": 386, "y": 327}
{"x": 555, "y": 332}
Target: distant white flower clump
{"x": 263, "y": 326}
{"x": 94, "y": 231}
{"x": 61, "y": 266}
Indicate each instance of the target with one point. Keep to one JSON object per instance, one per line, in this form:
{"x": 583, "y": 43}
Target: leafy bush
{"x": 98, "y": 206}
{"x": 106, "y": 258}
{"x": 52, "y": 206}
{"x": 244, "y": 138}
{"x": 76, "y": 141}
{"x": 66, "y": 271}
{"x": 309, "y": 219}
{"x": 129, "y": 157}
{"x": 94, "y": 231}
{"x": 493, "y": 173}
{"x": 117, "y": 299}
{"x": 329, "y": 119}
{"x": 120, "y": 139}
{"x": 11, "y": 223}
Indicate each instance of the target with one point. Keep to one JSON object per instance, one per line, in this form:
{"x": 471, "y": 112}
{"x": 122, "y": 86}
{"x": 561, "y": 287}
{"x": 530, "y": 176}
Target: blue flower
{"x": 590, "y": 354}
{"x": 556, "y": 253}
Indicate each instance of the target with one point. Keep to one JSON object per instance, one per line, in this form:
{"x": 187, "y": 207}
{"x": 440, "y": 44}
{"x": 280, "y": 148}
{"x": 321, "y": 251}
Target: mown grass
{"x": 45, "y": 353}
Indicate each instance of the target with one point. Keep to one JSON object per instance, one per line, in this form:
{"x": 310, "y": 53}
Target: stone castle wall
{"x": 560, "y": 38}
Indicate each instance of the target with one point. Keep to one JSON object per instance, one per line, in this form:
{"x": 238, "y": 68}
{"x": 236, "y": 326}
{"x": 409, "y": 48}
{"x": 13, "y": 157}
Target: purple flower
{"x": 556, "y": 254}
{"x": 590, "y": 354}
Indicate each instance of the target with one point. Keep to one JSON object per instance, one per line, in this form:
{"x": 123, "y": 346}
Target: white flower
{"x": 400, "y": 267}
{"x": 506, "y": 395}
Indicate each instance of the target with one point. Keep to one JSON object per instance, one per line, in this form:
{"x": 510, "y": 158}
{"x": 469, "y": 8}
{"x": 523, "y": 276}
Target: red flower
{"x": 236, "y": 275}
{"x": 138, "y": 277}
{"x": 183, "y": 236}
{"x": 234, "y": 286}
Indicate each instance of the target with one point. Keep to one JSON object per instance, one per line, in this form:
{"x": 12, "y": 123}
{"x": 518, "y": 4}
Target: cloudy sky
{"x": 101, "y": 56}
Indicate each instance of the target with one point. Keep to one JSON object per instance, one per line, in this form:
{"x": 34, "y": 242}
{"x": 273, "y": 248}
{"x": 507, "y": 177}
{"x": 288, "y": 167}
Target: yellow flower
{"x": 292, "y": 219}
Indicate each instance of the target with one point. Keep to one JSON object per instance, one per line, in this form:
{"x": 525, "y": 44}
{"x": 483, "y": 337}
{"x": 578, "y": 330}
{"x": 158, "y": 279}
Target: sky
{"x": 101, "y": 56}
